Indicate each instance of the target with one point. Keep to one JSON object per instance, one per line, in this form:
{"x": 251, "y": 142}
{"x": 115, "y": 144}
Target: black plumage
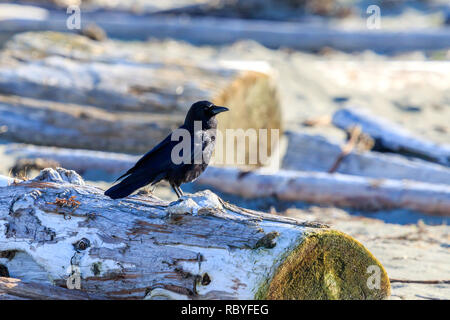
{"x": 158, "y": 164}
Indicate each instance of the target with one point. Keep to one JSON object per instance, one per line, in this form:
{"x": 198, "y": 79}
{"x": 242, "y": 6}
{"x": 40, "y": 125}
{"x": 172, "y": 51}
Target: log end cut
{"x": 254, "y": 104}
{"x": 328, "y": 265}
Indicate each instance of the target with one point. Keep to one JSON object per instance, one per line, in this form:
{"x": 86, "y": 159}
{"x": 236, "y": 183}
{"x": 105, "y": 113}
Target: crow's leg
{"x": 175, "y": 188}
{"x": 180, "y": 191}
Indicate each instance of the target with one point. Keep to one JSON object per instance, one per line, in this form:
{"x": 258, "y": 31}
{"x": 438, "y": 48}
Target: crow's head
{"x": 203, "y": 111}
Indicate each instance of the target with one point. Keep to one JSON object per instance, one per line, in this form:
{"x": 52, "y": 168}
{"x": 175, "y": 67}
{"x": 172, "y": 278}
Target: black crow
{"x": 161, "y": 163}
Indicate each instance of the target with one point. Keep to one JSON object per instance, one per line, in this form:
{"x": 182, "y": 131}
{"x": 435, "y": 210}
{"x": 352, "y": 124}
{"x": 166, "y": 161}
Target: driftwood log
{"x": 72, "y": 68}
{"x": 219, "y": 31}
{"x": 196, "y": 248}
{"x": 391, "y": 137}
{"x": 249, "y": 9}
{"x": 307, "y": 152}
{"x": 67, "y": 125}
{"x": 314, "y": 187}
{"x": 331, "y": 189}
{"x": 131, "y": 81}
{"x": 16, "y": 289}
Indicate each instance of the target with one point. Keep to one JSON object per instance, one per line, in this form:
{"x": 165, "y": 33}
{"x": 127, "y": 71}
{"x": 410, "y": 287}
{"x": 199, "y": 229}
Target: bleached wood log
{"x": 15, "y": 289}
{"x": 306, "y": 152}
{"x": 271, "y": 9}
{"x": 196, "y": 248}
{"x": 331, "y": 189}
{"x": 72, "y": 68}
{"x": 66, "y": 125}
{"x": 314, "y": 187}
{"x": 75, "y": 159}
{"x": 389, "y": 136}
{"x": 219, "y": 31}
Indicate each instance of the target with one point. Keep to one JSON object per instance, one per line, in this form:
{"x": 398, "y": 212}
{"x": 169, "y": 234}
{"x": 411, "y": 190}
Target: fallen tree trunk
{"x": 64, "y": 125}
{"x": 219, "y": 31}
{"x": 72, "y": 68}
{"x": 308, "y": 152}
{"x": 196, "y": 248}
{"x": 331, "y": 189}
{"x": 391, "y": 137}
{"x": 314, "y": 187}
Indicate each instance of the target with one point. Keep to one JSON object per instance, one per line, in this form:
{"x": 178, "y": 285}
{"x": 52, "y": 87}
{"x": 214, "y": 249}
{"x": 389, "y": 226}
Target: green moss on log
{"x": 254, "y": 104}
{"x": 328, "y": 265}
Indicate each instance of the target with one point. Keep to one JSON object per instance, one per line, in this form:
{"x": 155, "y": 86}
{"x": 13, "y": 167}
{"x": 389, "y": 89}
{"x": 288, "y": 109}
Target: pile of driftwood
{"x": 110, "y": 97}
{"x": 314, "y": 170}
{"x": 369, "y": 180}
{"x": 70, "y": 101}
{"x": 69, "y": 91}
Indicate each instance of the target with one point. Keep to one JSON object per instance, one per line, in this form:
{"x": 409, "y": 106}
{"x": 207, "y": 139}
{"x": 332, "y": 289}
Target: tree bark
{"x": 390, "y": 137}
{"x": 199, "y": 247}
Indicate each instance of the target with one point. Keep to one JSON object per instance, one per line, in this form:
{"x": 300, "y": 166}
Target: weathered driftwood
{"x": 74, "y": 69}
{"x": 196, "y": 248}
{"x": 306, "y": 152}
{"x": 66, "y": 125}
{"x": 15, "y": 289}
{"x": 75, "y": 159}
{"x": 219, "y": 31}
{"x": 313, "y": 187}
{"x": 331, "y": 189}
{"x": 391, "y": 137}
{"x": 250, "y": 9}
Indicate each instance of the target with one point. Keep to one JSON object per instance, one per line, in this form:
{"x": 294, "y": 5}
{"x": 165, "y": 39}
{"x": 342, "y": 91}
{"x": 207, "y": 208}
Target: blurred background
{"x": 360, "y": 91}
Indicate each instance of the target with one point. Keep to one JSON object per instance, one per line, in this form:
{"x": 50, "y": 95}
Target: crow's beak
{"x": 216, "y": 110}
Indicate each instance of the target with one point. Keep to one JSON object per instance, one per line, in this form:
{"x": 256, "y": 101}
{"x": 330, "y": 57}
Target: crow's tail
{"x": 127, "y": 186}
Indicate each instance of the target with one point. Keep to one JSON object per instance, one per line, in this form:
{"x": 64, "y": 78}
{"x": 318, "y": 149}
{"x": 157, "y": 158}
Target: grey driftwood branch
{"x": 54, "y": 230}
{"x": 219, "y": 31}
{"x": 389, "y": 136}
{"x": 371, "y": 193}
{"x": 307, "y": 152}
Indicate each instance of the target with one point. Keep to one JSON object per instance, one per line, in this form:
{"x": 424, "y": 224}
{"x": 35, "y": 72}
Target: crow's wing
{"x": 157, "y": 158}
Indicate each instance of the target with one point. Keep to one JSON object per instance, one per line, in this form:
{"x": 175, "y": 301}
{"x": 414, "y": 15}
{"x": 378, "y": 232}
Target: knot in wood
{"x": 82, "y": 244}
{"x": 268, "y": 240}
